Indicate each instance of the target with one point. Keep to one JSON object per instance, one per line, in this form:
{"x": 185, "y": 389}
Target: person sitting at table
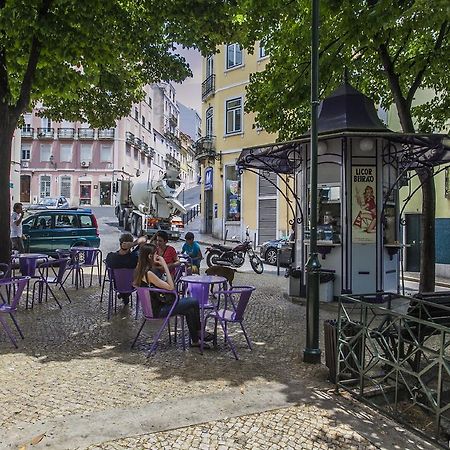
{"x": 193, "y": 250}
{"x": 124, "y": 258}
{"x": 167, "y": 251}
{"x": 144, "y": 276}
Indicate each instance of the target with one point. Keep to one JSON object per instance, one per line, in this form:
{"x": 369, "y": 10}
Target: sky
{"x": 189, "y": 92}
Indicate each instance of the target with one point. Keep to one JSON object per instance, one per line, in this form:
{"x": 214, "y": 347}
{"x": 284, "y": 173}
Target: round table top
{"x": 31, "y": 255}
{"x": 203, "y": 279}
{"x": 80, "y": 248}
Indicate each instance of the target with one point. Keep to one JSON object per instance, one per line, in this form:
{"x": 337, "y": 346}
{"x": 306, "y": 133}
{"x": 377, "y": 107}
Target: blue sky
{"x": 189, "y": 92}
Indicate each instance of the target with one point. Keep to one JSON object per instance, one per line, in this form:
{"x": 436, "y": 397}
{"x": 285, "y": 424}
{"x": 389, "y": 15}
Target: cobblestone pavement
{"x": 73, "y": 361}
{"x": 289, "y": 428}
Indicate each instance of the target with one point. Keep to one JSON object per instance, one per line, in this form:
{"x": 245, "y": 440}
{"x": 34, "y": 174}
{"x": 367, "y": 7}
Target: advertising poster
{"x": 364, "y": 206}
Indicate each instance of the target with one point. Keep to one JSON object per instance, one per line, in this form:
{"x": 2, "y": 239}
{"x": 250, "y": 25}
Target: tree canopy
{"x": 390, "y": 48}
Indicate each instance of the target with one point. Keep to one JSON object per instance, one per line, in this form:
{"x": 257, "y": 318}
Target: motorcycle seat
{"x": 223, "y": 248}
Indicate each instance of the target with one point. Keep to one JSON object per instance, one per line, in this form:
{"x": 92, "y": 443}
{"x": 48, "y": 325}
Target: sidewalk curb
{"x": 438, "y": 283}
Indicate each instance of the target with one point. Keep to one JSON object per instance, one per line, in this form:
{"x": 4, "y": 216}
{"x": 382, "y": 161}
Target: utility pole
{"x": 311, "y": 353}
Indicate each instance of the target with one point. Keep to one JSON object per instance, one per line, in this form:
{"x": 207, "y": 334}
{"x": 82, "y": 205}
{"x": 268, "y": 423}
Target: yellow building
{"x": 231, "y": 201}
{"x": 413, "y": 207}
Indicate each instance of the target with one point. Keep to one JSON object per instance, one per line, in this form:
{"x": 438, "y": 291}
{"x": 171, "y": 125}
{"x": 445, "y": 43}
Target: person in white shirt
{"x": 16, "y": 228}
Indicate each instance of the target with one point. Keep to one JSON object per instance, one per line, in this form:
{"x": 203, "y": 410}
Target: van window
{"x": 43, "y": 222}
{"x": 65, "y": 221}
{"x": 86, "y": 222}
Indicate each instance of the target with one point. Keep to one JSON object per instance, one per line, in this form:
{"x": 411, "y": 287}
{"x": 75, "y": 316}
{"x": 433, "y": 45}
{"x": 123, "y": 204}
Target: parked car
{"x": 50, "y": 203}
{"x": 47, "y": 231}
{"x": 269, "y": 251}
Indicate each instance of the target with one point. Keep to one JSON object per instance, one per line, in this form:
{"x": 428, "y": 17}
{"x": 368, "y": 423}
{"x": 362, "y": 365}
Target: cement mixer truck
{"x": 145, "y": 206}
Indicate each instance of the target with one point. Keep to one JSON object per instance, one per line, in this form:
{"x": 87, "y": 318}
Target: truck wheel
{"x": 120, "y": 217}
{"x": 126, "y": 221}
{"x": 138, "y": 226}
{"x": 133, "y": 224}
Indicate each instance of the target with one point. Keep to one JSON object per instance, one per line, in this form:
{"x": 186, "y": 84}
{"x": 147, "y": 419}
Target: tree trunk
{"x": 427, "y": 248}
{"x": 6, "y": 135}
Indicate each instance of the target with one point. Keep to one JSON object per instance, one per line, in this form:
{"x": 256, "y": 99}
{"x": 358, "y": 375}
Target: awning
{"x": 414, "y": 150}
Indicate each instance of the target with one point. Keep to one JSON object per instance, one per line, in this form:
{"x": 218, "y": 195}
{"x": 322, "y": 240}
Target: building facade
{"x": 81, "y": 163}
{"x": 231, "y": 201}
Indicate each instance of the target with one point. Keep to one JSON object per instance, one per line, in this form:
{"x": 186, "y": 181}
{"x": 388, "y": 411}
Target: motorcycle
{"x": 222, "y": 255}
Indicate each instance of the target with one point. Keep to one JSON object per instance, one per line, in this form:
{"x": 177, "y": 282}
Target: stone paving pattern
{"x": 73, "y": 361}
{"x": 302, "y": 427}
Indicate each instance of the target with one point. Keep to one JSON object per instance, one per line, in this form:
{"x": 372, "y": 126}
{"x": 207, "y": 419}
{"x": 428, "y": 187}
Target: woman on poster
{"x": 368, "y": 213}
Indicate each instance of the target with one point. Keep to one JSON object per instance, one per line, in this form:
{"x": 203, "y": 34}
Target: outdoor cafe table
{"x": 204, "y": 282}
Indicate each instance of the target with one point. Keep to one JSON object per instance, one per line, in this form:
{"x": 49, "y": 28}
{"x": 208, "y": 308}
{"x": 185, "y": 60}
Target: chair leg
{"x": 227, "y": 338}
{"x": 17, "y": 325}
{"x": 8, "y": 331}
{"x": 246, "y": 336}
{"x": 137, "y": 307}
{"x": 53, "y": 295}
{"x": 158, "y": 335}
{"x": 182, "y": 334}
{"x": 65, "y": 292}
{"x": 92, "y": 274}
{"x": 103, "y": 286}
{"x": 170, "y": 336}
{"x": 176, "y": 328}
{"x": 110, "y": 301}
{"x": 139, "y": 332}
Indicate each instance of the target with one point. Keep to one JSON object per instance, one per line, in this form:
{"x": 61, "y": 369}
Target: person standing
{"x": 16, "y": 228}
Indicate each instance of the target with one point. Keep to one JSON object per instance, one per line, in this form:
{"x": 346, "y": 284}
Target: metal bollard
{"x": 278, "y": 260}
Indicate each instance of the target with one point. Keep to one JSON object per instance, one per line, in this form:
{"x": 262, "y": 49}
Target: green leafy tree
{"x": 88, "y": 60}
{"x": 391, "y": 49}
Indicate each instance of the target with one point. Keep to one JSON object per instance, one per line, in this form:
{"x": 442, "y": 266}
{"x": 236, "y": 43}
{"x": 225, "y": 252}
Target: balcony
{"x": 145, "y": 148}
{"x": 66, "y": 133}
{"x": 106, "y": 134}
{"x": 45, "y": 133}
{"x": 137, "y": 142}
{"x": 205, "y": 148}
{"x": 86, "y": 133}
{"x": 171, "y": 161}
{"x": 173, "y": 120}
{"x": 175, "y": 139}
{"x": 27, "y": 133}
{"x": 208, "y": 87}
{"x": 129, "y": 137}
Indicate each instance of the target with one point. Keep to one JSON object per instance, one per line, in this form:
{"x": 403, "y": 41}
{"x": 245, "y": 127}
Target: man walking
{"x": 16, "y": 228}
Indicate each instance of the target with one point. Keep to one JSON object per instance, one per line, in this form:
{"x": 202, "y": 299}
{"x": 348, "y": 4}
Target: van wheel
{"x": 126, "y": 222}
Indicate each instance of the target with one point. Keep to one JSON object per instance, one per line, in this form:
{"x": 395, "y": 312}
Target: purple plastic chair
{"x": 121, "y": 283}
{"x": 236, "y": 301}
{"x": 16, "y": 285}
{"x": 57, "y": 280}
{"x": 92, "y": 257}
{"x": 144, "y": 294}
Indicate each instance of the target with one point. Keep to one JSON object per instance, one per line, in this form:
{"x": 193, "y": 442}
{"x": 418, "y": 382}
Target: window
{"x": 143, "y": 121}
{"x": 234, "y": 56}
{"x": 65, "y": 153}
{"x": 85, "y": 193}
{"x": 232, "y": 194}
{"x": 26, "y": 152}
{"x": 209, "y": 66}
{"x": 46, "y": 151}
{"x": 86, "y": 152}
{"x": 44, "y": 186}
{"x": 233, "y": 115}
{"x": 46, "y": 123}
{"x": 65, "y": 183}
{"x": 150, "y": 102}
{"x": 136, "y": 114}
{"x": 86, "y": 222}
{"x": 65, "y": 221}
{"x": 43, "y": 221}
{"x": 106, "y": 153}
{"x": 262, "y": 51}
{"x": 209, "y": 122}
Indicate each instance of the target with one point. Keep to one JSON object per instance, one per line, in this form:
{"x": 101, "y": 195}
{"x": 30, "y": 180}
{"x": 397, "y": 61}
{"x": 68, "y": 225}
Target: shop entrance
{"x": 85, "y": 193}
{"x": 25, "y": 183}
{"x": 105, "y": 193}
{"x": 208, "y": 211}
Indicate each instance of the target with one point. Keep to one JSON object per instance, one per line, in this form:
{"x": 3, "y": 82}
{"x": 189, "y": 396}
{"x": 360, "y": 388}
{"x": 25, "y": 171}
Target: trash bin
{"x": 353, "y": 362}
{"x": 295, "y": 287}
{"x": 326, "y": 287}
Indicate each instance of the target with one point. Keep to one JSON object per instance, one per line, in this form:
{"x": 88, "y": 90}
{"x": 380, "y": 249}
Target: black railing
{"x": 191, "y": 214}
{"x": 208, "y": 87}
{"x": 205, "y": 147}
{"x": 66, "y": 133}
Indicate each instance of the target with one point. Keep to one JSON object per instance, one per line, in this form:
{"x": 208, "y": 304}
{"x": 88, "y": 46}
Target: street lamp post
{"x": 311, "y": 353}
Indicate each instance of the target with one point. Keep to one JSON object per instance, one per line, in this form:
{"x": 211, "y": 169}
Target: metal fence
{"x": 396, "y": 357}
{"x": 191, "y": 214}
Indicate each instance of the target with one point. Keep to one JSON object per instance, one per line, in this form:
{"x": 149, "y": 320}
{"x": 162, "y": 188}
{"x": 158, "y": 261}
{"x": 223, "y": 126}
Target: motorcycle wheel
{"x": 211, "y": 258}
{"x": 257, "y": 264}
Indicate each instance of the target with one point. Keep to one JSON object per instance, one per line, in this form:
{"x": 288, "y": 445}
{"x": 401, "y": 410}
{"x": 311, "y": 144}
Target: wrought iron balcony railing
{"x": 129, "y": 137}
{"x": 172, "y": 137}
{"x": 208, "y": 87}
{"x": 45, "y": 133}
{"x": 66, "y": 133}
{"x": 205, "y": 148}
{"x": 27, "y": 132}
{"x": 106, "y": 134}
{"x": 86, "y": 133}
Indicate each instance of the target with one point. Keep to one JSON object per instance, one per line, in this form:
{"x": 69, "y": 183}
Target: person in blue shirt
{"x": 192, "y": 248}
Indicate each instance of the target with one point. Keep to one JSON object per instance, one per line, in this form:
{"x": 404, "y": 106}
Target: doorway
{"x": 105, "y": 193}
{"x": 25, "y": 185}
{"x": 413, "y": 241}
{"x": 208, "y": 211}
{"x": 85, "y": 192}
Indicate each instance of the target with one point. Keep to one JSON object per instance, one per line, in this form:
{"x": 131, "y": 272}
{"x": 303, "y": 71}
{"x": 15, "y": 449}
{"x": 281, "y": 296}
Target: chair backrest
{"x": 19, "y": 283}
{"x": 241, "y": 296}
{"x": 144, "y": 296}
{"x": 179, "y": 272}
{"x": 61, "y": 263}
{"x": 6, "y": 270}
{"x": 122, "y": 280}
{"x": 90, "y": 256}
